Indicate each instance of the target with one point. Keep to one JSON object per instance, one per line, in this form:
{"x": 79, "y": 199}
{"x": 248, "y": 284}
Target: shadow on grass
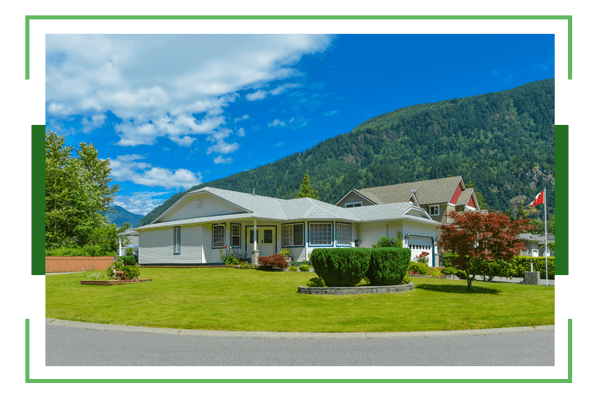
{"x": 456, "y": 289}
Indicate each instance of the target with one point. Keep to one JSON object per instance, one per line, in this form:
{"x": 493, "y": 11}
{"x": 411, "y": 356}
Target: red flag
{"x": 539, "y": 199}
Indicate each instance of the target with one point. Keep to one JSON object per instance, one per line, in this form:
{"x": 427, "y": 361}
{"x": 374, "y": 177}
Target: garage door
{"x": 418, "y": 245}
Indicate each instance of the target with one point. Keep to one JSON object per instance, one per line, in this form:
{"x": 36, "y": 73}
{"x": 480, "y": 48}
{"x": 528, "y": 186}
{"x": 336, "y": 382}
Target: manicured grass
{"x": 251, "y": 300}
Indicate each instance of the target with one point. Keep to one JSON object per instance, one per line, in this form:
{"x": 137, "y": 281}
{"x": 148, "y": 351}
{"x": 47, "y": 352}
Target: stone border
{"x": 110, "y": 283}
{"x": 341, "y": 290}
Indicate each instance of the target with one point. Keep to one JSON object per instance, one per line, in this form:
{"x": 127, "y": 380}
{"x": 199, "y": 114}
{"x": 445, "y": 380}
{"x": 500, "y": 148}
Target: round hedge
{"x": 388, "y": 265}
{"x": 341, "y": 267}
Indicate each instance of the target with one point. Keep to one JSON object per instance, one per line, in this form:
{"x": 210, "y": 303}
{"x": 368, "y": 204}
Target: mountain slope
{"x": 503, "y": 142}
{"x": 118, "y": 215}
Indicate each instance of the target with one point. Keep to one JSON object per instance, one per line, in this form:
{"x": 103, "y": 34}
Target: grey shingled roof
{"x": 536, "y": 237}
{"x": 262, "y": 207}
{"x": 464, "y": 197}
{"x": 435, "y": 191}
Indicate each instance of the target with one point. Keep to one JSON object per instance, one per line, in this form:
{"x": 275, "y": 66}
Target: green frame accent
{"x": 561, "y": 198}
{"x": 38, "y": 200}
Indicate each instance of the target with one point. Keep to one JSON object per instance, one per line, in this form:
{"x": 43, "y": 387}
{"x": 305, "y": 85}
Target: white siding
{"x": 156, "y": 246}
{"x": 421, "y": 243}
{"x": 211, "y": 206}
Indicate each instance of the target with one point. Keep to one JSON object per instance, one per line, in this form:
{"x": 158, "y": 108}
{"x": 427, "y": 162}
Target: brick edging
{"x": 341, "y": 290}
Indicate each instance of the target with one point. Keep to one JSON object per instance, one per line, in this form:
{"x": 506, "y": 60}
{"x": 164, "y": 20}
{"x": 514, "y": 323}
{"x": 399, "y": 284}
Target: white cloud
{"x": 276, "y": 123}
{"x": 258, "y": 95}
{"x": 222, "y": 147}
{"x": 221, "y": 160}
{"x": 140, "y": 202}
{"x": 90, "y": 124}
{"x": 279, "y": 144}
{"x": 128, "y": 168}
{"x": 236, "y": 120}
{"x": 330, "y": 113}
{"x": 241, "y": 132}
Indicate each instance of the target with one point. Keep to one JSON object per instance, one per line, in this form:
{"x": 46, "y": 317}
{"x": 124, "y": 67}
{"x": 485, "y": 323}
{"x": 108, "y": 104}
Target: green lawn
{"x": 252, "y": 300}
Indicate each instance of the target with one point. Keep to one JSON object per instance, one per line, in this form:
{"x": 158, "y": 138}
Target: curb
{"x": 296, "y": 335}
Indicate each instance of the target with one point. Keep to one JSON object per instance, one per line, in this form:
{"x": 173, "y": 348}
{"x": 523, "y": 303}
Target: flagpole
{"x": 546, "y": 234}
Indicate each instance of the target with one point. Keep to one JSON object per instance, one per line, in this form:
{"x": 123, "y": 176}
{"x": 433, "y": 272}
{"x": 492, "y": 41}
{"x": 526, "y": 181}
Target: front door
{"x": 266, "y": 245}
{"x": 265, "y": 241}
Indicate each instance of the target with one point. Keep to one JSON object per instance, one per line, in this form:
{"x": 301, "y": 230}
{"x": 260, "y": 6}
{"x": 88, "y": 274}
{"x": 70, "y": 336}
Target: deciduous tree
{"x": 475, "y": 236}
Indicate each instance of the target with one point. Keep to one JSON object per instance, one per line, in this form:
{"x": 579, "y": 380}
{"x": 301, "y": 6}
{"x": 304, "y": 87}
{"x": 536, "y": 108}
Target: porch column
{"x": 255, "y": 250}
{"x": 120, "y": 246}
{"x": 306, "y": 241}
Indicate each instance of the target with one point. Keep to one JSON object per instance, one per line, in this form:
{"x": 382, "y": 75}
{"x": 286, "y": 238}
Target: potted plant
{"x": 287, "y": 254}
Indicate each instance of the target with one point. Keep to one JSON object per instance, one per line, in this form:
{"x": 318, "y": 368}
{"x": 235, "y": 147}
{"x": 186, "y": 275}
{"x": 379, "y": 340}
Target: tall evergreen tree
{"x": 305, "y": 190}
{"x": 520, "y": 212}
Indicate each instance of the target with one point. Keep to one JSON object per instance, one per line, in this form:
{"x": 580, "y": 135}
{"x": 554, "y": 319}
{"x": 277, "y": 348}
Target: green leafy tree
{"x": 78, "y": 191}
{"x": 305, "y": 190}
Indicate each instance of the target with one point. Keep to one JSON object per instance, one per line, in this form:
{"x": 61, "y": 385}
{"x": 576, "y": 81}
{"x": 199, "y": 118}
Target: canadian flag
{"x": 539, "y": 199}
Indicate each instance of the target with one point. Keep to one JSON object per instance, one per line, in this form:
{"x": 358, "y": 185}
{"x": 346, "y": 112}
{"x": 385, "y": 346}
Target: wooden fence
{"x": 77, "y": 264}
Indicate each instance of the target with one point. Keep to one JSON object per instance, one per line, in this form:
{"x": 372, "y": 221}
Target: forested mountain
{"x": 118, "y": 215}
{"x": 503, "y": 142}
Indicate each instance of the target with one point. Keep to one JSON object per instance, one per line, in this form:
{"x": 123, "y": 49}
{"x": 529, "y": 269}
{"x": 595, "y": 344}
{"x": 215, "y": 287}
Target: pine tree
{"x": 305, "y": 190}
{"x": 520, "y": 212}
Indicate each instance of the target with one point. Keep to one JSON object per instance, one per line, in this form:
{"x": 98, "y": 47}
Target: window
{"x": 176, "y": 240}
{"x": 218, "y": 236}
{"x": 320, "y": 234}
{"x": 267, "y": 236}
{"x": 236, "y": 236}
{"x": 353, "y": 204}
{"x": 434, "y": 210}
{"x": 344, "y": 234}
{"x": 293, "y": 235}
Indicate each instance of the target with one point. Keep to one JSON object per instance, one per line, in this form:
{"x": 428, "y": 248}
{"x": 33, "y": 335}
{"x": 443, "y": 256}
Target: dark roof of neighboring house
{"x": 435, "y": 191}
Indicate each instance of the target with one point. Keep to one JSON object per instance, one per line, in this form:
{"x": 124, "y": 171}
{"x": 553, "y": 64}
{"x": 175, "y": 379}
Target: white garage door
{"x": 418, "y": 245}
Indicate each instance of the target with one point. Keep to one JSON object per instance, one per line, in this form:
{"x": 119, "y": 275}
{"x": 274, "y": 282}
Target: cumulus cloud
{"x": 130, "y": 168}
{"x": 174, "y": 86}
{"x": 140, "y": 202}
{"x": 241, "y": 132}
{"x": 221, "y": 160}
{"x": 222, "y": 147}
{"x": 258, "y": 95}
{"x": 236, "y": 120}
{"x": 276, "y": 123}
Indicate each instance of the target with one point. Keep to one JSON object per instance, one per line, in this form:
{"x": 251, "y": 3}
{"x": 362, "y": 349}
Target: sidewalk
{"x": 500, "y": 279}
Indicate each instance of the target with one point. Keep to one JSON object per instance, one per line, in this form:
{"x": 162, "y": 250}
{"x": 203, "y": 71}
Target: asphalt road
{"x": 81, "y": 344}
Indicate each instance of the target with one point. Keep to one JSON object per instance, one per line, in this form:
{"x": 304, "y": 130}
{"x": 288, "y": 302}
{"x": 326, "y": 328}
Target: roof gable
{"x": 435, "y": 191}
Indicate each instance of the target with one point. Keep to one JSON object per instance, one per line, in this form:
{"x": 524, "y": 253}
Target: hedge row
{"x": 519, "y": 265}
{"x": 347, "y": 267}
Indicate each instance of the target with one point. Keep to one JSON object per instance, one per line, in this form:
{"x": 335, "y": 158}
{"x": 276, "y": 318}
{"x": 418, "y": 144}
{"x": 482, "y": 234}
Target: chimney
{"x": 253, "y": 192}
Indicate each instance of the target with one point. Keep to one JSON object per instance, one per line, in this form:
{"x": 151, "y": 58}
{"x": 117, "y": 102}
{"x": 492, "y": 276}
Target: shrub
{"x": 315, "y": 282}
{"x": 304, "y": 268}
{"x": 285, "y": 252}
{"x": 422, "y": 258}
{"x": 341, "y": 267}
{"x": 89, "y": 250}
{"x": 419, "y": 268}
{"x": 245, "y": 265}
{"x": 129, "y": 260}
{"x": 386, "y": 241}
{"x": 522, "y": 264}
{"x": 292, "y": 268}
{"x": 388, "y": 266}
{"x": 449, "y": 271}
{"x": 131, "y": 271}
{"x": 273, "y": 261}
{"x": 461, "y": 274}
{"x": 435, "y": 272}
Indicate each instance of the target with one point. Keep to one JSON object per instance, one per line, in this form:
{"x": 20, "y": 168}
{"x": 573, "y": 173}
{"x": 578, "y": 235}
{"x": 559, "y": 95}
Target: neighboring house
{"x": 129, "y": 240}
{"x": 436, "y": 196}
{"x": 201, "y": 222}
{"x": 535, "y": 244}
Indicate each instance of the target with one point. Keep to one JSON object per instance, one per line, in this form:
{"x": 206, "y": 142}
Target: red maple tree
{"x": 489, "y": 236}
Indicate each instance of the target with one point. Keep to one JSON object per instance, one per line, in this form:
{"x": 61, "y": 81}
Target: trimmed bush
{"x": 304, "y": 268}
{"x": 315, "y": 282}
{"x": 341, "y": 267}
{"x": 388, "y": 265}
{"x": 419, "y": 268}
{"x": 435, "y": 272}
{"x": 292, "y": 268}
{"x": 273, "y": 261}
{"x": 129, "y": 260}
{"x": 522, "y": 264}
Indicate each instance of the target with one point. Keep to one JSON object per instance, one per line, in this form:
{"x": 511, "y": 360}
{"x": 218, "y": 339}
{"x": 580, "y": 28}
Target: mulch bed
{"x": 110, "y": 283}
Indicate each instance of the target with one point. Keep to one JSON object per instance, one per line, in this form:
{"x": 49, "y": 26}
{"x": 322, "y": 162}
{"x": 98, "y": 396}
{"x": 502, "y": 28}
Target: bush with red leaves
{"x": 273, "y": 261}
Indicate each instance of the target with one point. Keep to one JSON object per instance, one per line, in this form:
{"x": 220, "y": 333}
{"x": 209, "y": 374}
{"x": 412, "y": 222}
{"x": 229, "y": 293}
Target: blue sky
{"x": 173, "y": 111}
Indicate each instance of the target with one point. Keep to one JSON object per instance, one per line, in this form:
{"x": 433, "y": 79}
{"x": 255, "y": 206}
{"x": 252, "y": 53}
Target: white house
{"x": 201, "y": 222}
{"x": 535, "y": 244}
{"x": 128, "y": 240}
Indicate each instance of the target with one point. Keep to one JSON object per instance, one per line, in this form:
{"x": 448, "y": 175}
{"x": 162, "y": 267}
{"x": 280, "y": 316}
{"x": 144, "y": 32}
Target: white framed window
{"x": 434, "y": 210}
{"x": 236, "y": 235}
{"x": 218, "y": 235}
{"x": 353, "y": 204}
{"x": 319, "y": 233}
{"x": 293, "y": 235}
{"x": 176, "y": 240}
{"x": 344, "y": 234}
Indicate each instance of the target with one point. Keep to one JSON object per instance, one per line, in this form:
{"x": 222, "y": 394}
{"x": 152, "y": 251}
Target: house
{"x": 128, "y": 240}
{"x": 535, "y": 244}
{"x": 436, "y": 196}
{"x": 201, "y": 222}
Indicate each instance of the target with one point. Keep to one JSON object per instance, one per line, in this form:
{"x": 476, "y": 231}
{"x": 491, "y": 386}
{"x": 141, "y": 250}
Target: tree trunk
{"x": 469, "y": 280}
